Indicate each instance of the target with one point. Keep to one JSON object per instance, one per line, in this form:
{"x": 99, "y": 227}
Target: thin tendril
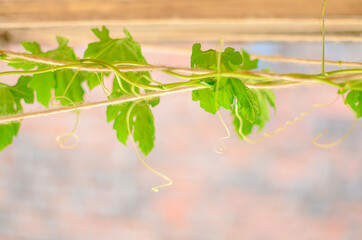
{"x": 155, "y": 189}
{"x": 349, "y": 131}
{"x": 120, "y": 83}
{"x": 62, "y": 138}
{"x": 285, "y": 127}
{"x": 122, "y": 75}
{"x": 222, "y": 147}
{"x": 105, "y": 89}
{"x": 133, "y": 90}
{"x": 149, "y": 79}
{"x": 218, "y": 68}
{"x": 330, "y": 145}
{"x": 324, "y": 37}
{"x": 70, "y": 82}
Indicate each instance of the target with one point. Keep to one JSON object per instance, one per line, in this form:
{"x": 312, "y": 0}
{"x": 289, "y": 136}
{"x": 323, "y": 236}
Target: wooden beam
{"x": 152, "y": 31}
{"x": 68, "y": 10}
{"x": 152, "y": 21}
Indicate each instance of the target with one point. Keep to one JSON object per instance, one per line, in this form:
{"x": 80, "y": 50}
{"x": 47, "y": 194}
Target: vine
{"x": 223, "y": 78}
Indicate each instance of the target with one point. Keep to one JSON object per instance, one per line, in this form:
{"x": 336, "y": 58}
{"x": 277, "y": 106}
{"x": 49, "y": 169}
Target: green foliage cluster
{"x": 231, "y": 93}
{"x": 222, "y": 89}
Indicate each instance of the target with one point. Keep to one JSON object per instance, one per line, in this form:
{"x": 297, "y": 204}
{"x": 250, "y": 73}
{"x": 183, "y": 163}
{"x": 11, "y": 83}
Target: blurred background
{"x": 281, "y": 188}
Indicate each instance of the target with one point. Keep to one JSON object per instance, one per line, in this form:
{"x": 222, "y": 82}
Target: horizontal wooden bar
{"x": 69, "y": 10}
{"x": 152, "y": 21}
{"x": 188, "y": 30}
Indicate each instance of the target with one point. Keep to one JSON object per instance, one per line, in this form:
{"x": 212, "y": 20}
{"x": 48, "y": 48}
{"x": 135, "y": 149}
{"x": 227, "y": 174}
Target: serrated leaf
{"x": 354, "y": 99}
{"x": 120, "y": 121}
{"x": 144, "y": 129}
{"x": 11, "y": 104}
{"x": 112, "y": 112}
{"x": 32, "y": 47}
{"x": 22, "y": 64}
{"x": 22, "y": 91}
{"x": 141, "y": 120}
{"x": 207, "y": 59}
{"x": 118, "y": 50}
{"x": 248, "y": 64}
{"x": 203, "y": 59}
{"x": 225, "y": 93}
{"x": 207, "y": 100}
{"x": 229, "y": 89}
{"x": 265, "y": 98}
{"x": 246, "y": 126}
{"x": 66, "y": 79}
{"x": 141, "y": 124}
{"x": 45, "y": 83}
{"x": 246, "y": 99}
{"x": 63, "y": 52}
{"x": 69, "y": 84}
{"x": 94, "y": 79}
{"x": 252, "y": 105}
{"x": 112, "y": 50}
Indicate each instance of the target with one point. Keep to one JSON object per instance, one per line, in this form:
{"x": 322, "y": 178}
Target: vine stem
{"x": 261, "y": 57}
{"x": 90, "y": 105}
{"x": 185, "y": 51}
{"x": 133, "y": 67}
{"x": 305, "y": 61}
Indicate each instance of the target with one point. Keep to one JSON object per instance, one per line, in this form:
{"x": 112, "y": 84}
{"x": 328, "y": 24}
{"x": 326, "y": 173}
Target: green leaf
{"x": 248, "y": 64}
{"x": 32, "y": 47}
{"x": 112, "y": 50}
{"x": 7, "y": 133}
{"x": 246, "y": 126}
{"x": 141, "y": 121}
{"x": 229, "y": 89}
{"x": 113, "y": 112}
{"x": 207, "y": 99}
{"x": 144, "y": 129}
{"x": 354, "y": 99}
{"x": 69, "y": 84}
{"x": 12, "y": 95}
{"x": 246, "y": 99}
{"x": 120, "y": 121}
{"x": 252, "y": 105}
{"x": 45, "y": 83}
{"x": 22, "y": 91}
{"x": 63, "y": 52}
{"x": 93, "y": 79}
{"x": 225, "y": 93}
{"x": 264, "y": 99}
{"x": 207, "y": 59}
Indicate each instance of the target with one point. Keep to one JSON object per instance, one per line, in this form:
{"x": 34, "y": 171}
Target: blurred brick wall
{"x": 283, "y": 188}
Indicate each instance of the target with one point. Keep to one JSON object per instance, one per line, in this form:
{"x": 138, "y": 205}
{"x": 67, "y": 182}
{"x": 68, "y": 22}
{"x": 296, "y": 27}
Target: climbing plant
{"x": 221, "y": 78}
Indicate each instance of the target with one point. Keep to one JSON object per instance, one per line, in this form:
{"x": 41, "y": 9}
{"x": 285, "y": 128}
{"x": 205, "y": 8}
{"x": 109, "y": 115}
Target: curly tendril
{"x": 330, "y": 145}
{"x": 218, "y": 68}
{"x": 155, "y": 189}
{"x": 62, "y": 138}
{"x": 105, "y": 89}
{"x": 285, "y": 127}
{"x": 349, "y": 131}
